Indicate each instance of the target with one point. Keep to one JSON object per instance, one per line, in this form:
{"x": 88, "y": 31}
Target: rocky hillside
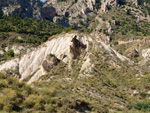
{"x": 78, "y": 69}
{"x": 99, "y": 63}
{"x": 64, "y": 12}
{"x": 64, "y": 47}
{"x": 24, "y": 8}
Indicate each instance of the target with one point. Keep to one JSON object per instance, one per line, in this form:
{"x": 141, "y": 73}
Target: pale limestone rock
{"x": 146, "y": 53}
{"x": 31, "y": 62}
{"x": 18, "y": 49}
{"x": 64, "y": 47}
{"x": 86, "y": 67}
{"x": 148, "y": 92}
{"x": 10, "y": 65}
{"x": 36, "y": 76}
{"x": 6, "y": 49}
{"x": 69, "y": 9}
{"x": 135, "y": 92}
{"x": 2, "y": 52}
{"x": 90, "y": 4}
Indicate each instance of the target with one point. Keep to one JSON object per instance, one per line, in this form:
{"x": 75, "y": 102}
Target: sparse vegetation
{"x": 109, "y": 86}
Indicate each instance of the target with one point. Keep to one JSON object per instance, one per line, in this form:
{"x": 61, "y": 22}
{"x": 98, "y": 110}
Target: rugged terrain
{"x": 96, "y": 59}
{"x": 64, "y": 12}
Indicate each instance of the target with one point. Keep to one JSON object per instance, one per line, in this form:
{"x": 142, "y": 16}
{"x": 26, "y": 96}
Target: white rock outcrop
{"x": 18, "y": 49}
{"x": 30, "y": 63}
{"x": 146, "y": 53}
{"x": 64, "y": 47}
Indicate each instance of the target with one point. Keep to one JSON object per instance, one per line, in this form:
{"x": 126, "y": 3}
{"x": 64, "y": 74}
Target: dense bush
{"x": 144, "y": 106}
{"x": 18, "y": 97}
{"x": 13, "y": 93}
{"x": 71, "y": 27}
{"x": 29, "y": 26}
{"x": 98, "y": 4}
{"x": 10, "y": 53}
{"x": 147, "y": 6}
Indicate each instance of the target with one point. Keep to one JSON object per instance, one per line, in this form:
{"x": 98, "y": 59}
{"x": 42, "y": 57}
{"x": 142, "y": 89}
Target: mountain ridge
{"x": 57, "y": 13}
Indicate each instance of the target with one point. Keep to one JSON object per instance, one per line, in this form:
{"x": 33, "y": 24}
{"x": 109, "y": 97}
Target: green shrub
{"x": 1, "y": 14}
{"x": 33, "y": 101}
{"x": 49, "y": 108}
{"x": 116, "y": 43}
{"x": 144, "y": 106}
{"x": 98, "y": 4}
{"x": 71, "y": 27}
{"x": 10, "y": 53}
{"x": 128, "y": 11}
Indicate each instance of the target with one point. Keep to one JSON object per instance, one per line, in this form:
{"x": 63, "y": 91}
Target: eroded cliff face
{"x": 64, "y": 13}
{"x": 24, "y": 8}
{"x": 65, "y": 48}
{"x": 71, "y": 6}
{"x": 32, "y": 63}
{"x": 115, "y": 3}
{"x": 69, "y": 12}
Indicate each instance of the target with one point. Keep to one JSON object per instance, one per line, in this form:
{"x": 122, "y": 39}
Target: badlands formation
{"x": 64, "y": 47}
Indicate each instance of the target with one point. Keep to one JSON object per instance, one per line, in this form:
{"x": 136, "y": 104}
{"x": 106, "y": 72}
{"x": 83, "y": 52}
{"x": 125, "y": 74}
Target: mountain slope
{"x": 102, "y": 66}
{"x": 65, "y": 47}
{"x": 79, "y": 85}
{"x": 24, "y": 8}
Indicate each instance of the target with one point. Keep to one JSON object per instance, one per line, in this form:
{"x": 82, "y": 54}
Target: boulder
{"x": 49, "y": 63}
{"x": 49, "y": 12}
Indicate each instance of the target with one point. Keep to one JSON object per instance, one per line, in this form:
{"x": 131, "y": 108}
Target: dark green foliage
{"x": 29, "y": 26}
{"x": 128, "y": 11}
{"x": 45, "y": 38}
{"x": 142, "y": 1}
{"x": 10, "y": 53}
{"x": 18, "y": 97}
{"x": 98, "y": 4}
{"x": 71, "y": 27}
{"x": 63, "y": 0}
{"x": 122, "y": 2}
{"x": 144, "y": 106}
{"x": 147, "y": 6}
{"x": 76, "y": 1}
{"x": 17, "y": 41}
{"x": 116, "y": 43}
{"x": 13, "y": 93}
{"x": 1, "y": 14}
